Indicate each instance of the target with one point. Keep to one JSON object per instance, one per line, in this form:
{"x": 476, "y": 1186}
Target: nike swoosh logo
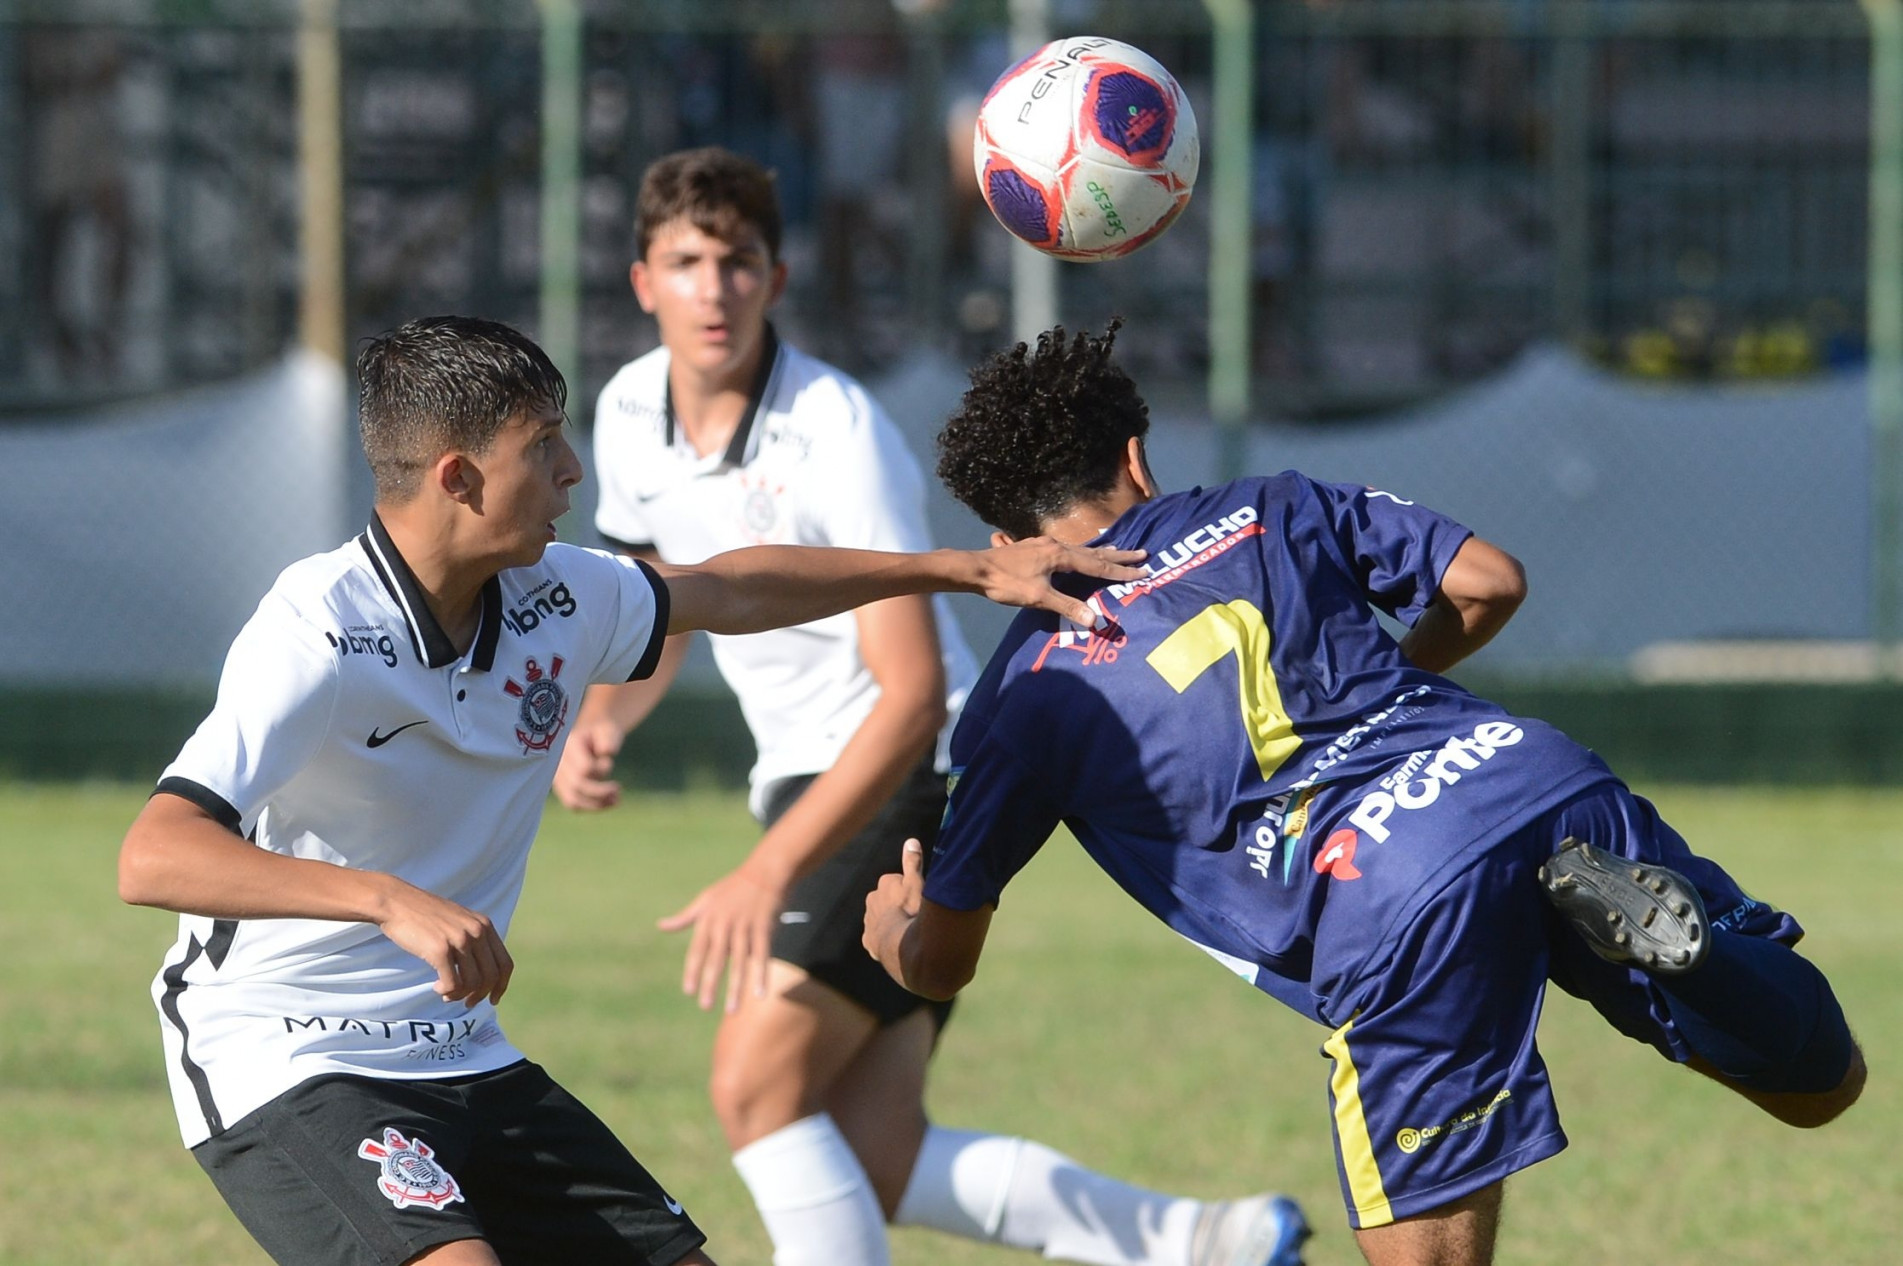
{"x": 673, "y": 1205}
{"x": 378, "y": 740}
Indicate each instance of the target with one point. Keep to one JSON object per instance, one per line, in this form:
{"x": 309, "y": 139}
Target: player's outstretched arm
{"x": 1479, "y": 592}
{"x": 930, "y": 949}
{"x": 178, "y": 857}
{"x": 773, "y": 586}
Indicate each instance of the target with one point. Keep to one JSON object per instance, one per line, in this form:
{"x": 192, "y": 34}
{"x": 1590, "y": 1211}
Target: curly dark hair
{"x": 440, "y": 383}
{"x": 1040, "y": 431}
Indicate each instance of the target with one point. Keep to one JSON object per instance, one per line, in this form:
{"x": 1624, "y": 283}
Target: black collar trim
{"x": 745, "y": 441}
{"x": 427, "y": 639}
{"x": 482, "y": 653}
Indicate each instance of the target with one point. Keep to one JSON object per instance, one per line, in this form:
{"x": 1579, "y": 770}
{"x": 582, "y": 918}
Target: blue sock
{"x": 1762, "y": 1014}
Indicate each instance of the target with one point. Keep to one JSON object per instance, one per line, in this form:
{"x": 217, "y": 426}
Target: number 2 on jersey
{"x": 1201, "y": 641}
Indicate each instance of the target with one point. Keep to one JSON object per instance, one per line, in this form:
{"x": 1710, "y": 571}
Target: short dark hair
{"x": 440, "y": 383}
{"x": 719, "y": 192}
{"x": 1039, "y": 432}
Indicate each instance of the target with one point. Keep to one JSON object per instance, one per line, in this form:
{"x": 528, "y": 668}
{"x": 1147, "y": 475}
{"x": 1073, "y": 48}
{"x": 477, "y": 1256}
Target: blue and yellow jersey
{"x": 1247, "y": 735}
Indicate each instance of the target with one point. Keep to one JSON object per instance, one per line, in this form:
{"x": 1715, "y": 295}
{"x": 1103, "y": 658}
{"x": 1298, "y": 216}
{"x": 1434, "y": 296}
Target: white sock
{"x": 1017, "y": 1192}
{"x": 814, "y": 1196}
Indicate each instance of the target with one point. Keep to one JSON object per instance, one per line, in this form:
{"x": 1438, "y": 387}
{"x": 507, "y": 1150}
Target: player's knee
{"x": 750, "y": 1106}
{"x": 733, "y": 1095}
{"x": 1811, "y": 1106}
{"x": 1807, "y": 1112}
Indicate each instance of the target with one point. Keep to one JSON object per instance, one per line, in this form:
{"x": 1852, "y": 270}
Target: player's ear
{"x": 1000, "y": 539}
{"x": 643, "y": 290}
{"x": 1136, "y": 461}
{"x": 459, "y": 478}
{"x": 776, "y": 283}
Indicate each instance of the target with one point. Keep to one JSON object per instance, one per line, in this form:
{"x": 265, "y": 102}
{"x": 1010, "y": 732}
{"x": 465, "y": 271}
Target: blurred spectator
{"x": 972, "y": 69}
{"x": 76, "y": 194}
{"x": 859, "y": 88}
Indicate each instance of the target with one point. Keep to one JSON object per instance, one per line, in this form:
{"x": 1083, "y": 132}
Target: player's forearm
{"x": 1439, "y": 639}
{"x": 924, "y": 969}
{"x": 773, "y": 586}
{"x": 1481, "y": 589}
{"x": 179, "y": 859}
{"x": 930, "y": 949}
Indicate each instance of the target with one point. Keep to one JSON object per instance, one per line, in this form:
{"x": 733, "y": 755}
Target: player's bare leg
{"x": 1760, "y": 1019}
{"x": 457, "y": 1253}
{"x": 1805, "y": 1111}
{"x": 776, "y": 1056}
{"x": 805, "y": 1055}
{"x": 1457, "y": 1234}
{"x": 479, "y": 1253}
{"x": 879, "y": 1102}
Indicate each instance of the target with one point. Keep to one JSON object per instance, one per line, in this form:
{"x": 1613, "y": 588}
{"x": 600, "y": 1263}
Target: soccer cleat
{"x": 1629, "y": 912}
{"x": 1261, "y": 1230}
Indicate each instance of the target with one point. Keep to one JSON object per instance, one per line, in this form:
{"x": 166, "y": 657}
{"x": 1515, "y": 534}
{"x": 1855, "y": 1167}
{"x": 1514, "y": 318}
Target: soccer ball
{"x": 1087, "y": 149}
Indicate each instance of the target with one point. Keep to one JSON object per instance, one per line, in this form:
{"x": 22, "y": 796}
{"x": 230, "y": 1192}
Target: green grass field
{"x": 1090, "y": 1027}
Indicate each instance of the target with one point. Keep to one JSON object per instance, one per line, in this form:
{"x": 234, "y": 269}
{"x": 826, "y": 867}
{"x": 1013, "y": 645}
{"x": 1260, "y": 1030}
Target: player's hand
{"x": 733, "y": 921}
{"x": 891, "y": 907}
{"x": 1019, "y": 574}
{"x": 584, "y": 781}
{"x": 463, "y": 946}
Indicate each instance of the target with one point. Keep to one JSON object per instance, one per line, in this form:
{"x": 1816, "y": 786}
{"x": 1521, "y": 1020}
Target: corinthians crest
{"x": 544, "y": 705}
{"x": 410, "y": 1174}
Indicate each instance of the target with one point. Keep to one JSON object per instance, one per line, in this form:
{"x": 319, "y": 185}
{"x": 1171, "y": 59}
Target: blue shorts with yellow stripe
{"x": 1436, "y": 1082}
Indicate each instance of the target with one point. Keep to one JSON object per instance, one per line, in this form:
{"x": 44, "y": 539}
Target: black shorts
{"x": 364, "y": 1170}
{"x": 822, "y": 927}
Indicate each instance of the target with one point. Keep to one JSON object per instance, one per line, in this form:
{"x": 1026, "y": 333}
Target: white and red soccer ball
{"x": 1087, "y": 149}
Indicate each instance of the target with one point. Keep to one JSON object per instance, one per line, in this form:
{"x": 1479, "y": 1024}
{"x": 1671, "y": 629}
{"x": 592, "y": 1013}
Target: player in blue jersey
{"x": 1254, "y": 759}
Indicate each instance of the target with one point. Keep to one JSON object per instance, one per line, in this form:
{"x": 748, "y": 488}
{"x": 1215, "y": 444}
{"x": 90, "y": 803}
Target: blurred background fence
{"x": 1591, "y": 276}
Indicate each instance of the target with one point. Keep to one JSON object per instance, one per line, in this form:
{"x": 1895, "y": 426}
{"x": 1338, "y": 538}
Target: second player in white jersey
{"x": 813, "y": 461}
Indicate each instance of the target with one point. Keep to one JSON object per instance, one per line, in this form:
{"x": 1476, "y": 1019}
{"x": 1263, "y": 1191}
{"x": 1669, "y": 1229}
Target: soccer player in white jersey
{"x": 725, "y": 436}
{"x": 345, "y": 835}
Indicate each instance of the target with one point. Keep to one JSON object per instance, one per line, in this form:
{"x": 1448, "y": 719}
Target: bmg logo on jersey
{"x": 364, "y": 639}
{"x": 1420, "y": 782}
{"x": 538, "y": 606}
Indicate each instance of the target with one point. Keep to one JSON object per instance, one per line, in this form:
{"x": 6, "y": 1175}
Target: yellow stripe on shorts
{"x": 1351, "y": 1130}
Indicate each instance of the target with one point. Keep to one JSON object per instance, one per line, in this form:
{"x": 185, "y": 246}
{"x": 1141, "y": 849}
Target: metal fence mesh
{"x": 1674, "y": 189}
